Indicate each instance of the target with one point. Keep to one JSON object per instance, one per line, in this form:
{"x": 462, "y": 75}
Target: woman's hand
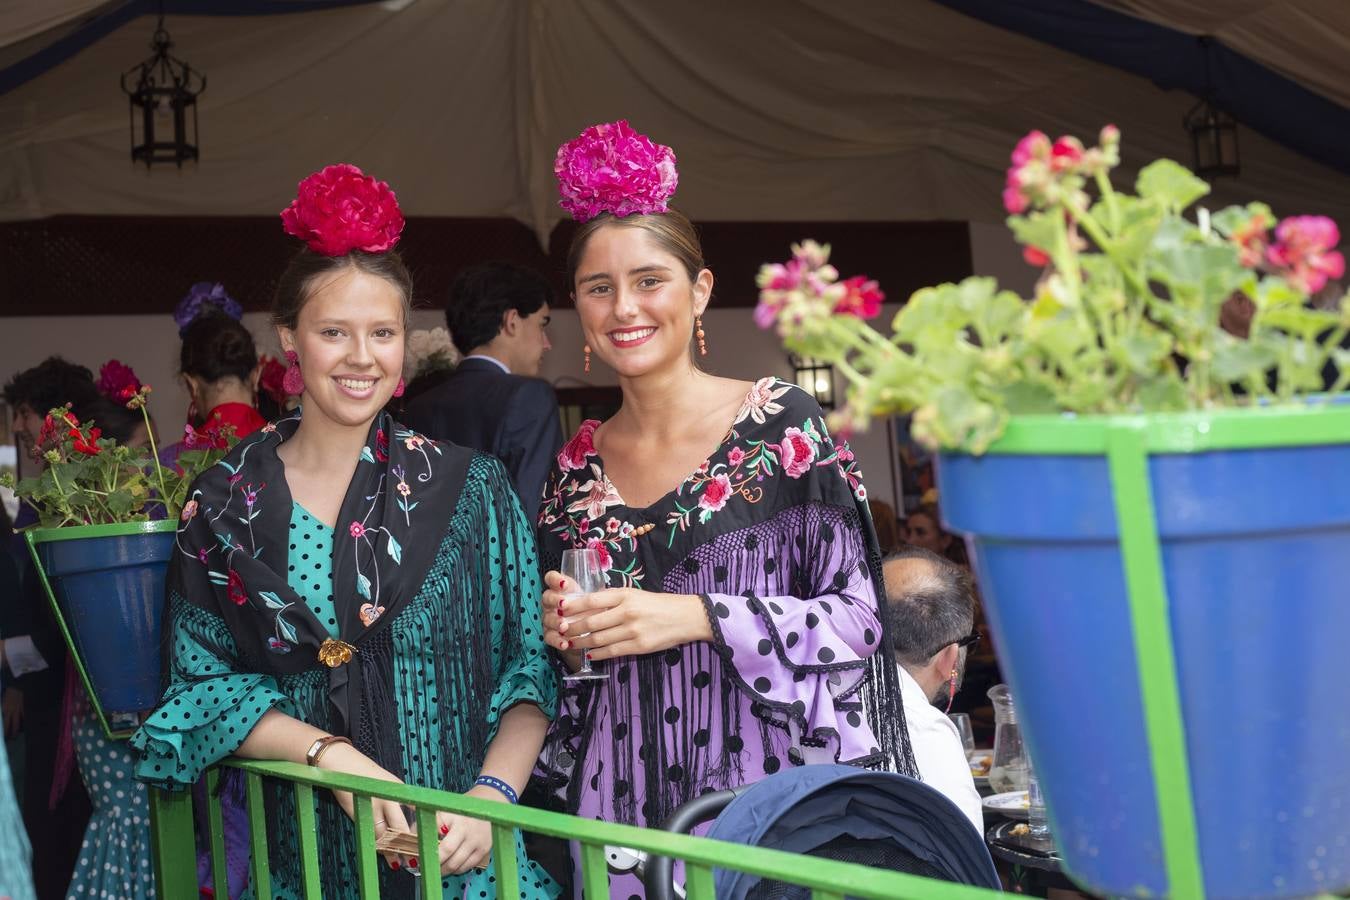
{"x": 387, "y": 813}
{"x": 466, "y": 843}
{"x": 620, "y": 621}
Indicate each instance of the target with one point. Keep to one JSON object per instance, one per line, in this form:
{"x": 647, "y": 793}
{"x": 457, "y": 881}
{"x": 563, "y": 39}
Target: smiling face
{"x": 349, "y": 337}
{"x": 636, "y": 302}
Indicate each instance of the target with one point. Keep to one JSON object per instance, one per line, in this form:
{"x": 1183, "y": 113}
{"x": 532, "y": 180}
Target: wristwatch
{"x": 320, "y": 746}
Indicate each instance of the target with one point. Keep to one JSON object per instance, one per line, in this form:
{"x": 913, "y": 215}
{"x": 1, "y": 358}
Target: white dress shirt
{"x": 938, "y": 751}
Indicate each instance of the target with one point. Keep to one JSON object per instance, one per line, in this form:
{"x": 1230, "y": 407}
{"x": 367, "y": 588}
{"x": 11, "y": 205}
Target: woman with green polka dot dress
{"x": 349, "y": 594}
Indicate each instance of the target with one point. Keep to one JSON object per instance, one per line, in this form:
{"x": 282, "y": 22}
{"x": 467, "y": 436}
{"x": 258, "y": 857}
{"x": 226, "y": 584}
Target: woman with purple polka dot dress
{"x": 741, "y": 631}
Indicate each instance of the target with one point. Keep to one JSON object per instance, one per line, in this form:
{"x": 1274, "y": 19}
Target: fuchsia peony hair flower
{"x": 1304, "y": 252}
{"x": 117, "y": 381}
{"x": 340, "y": 208}
{"x": 612, "y": 168}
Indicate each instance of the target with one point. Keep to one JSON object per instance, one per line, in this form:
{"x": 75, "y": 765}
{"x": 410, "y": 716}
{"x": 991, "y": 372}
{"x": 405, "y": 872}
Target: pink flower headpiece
{"x": 340, "y": 208}
{"x": 612, "y": 168}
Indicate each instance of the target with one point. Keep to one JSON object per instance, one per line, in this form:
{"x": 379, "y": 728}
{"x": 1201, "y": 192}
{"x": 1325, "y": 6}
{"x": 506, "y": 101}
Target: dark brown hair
{"x": 216, "y": 347}
{"x": 306, "y": 267}
{"x": 671, "y": 230}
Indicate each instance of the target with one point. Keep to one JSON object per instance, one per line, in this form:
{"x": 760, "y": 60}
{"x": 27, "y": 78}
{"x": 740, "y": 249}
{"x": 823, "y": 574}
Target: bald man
{"x": 932, "y": 609}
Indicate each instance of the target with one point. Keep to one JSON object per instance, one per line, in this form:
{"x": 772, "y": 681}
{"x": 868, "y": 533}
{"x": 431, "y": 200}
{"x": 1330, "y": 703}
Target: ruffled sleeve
{"x": 804, "y": 652}
{"x": 524, "y": 674}
{"x": 208, "y": 707}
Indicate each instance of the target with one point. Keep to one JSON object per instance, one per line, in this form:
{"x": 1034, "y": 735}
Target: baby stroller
{"x": 878, "y": 819}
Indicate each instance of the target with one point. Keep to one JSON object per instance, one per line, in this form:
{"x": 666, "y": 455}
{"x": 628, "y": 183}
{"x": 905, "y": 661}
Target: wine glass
{"x": 581, "y": 571}
{"x": 962, "y": 723}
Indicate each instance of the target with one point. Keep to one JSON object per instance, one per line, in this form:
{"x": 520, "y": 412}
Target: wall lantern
{"x": 1214, "y": 137}
{"x": 814, "y": 376}
{"x": 163, "y": 92}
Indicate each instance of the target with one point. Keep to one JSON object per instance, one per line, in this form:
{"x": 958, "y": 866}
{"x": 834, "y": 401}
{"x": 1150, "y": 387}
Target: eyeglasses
{"x": 970, "y": 640}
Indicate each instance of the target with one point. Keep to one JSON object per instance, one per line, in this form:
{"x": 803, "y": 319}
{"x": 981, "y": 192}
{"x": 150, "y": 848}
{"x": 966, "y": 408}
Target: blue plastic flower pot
{"x": 1253, "y": 542}
{"x": 108, "y": 582}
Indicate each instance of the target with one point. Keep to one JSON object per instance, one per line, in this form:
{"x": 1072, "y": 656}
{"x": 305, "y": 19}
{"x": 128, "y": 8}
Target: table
{"x": 1035, "y": 866}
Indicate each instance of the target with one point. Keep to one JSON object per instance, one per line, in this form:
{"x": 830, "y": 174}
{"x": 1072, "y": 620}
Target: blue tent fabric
{"x": 1256, "y": 96}
{"x": 800, "y": 809}
{"x": 115, "y": 15}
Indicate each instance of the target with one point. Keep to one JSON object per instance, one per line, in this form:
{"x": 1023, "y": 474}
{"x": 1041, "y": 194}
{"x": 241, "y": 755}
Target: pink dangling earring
{"x": 700, "y": 335}
{"x": 951, "y": 692}
{"x": 587, "y": 366}
{"x": 399, "y": 388}
{"x": 294, "y": 383}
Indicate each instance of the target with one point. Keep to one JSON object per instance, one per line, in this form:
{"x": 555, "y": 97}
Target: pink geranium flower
{"x": 1303, "y": 252}
{"x": 862, "y": 298}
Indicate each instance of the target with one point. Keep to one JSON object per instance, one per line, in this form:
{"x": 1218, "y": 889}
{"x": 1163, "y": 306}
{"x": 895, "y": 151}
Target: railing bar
{"x": 307, "y": 830}
{"x": 367, "y": 863}
{"x": 504, "y": 858}
{"x": 257, "y": 836}
{"x": 215, "y": 821}
{"x": 594, "y": 872}
{"x": 429, "y": 856}
{"x": 698, "y": 883}
{"x": 175, "y": 857}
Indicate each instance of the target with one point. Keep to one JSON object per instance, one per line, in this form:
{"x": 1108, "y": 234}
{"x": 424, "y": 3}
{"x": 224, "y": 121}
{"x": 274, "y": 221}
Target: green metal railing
{"x": 171, "y": 824}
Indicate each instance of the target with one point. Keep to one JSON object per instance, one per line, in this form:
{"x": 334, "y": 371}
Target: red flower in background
{"x": 272, "y": 379}
{"x": 117, "y": 381}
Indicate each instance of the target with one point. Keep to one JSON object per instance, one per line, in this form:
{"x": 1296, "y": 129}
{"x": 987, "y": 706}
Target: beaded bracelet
{"x": 501, "y": 786}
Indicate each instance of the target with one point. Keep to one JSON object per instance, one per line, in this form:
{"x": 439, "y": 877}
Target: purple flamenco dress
{"x": 773, "y": 532}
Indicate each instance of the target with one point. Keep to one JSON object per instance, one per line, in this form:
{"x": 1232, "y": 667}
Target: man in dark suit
{"x": 497, "y": 315}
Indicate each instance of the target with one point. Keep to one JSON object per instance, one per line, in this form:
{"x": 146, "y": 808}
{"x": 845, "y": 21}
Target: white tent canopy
{"x": 787, "y": 110}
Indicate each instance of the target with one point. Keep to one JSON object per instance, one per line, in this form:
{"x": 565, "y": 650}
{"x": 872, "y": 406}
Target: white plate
{"x": 1012, "y": 805}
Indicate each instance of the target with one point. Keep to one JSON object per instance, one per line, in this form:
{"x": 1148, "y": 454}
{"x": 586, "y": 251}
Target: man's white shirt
{"x": 938, "y": 751}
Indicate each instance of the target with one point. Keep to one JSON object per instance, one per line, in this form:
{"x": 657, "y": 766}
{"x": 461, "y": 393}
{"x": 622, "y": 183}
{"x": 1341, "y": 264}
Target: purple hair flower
{"x": 202, "y": 297}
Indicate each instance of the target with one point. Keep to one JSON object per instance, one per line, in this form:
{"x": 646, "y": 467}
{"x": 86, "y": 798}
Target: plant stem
{"x": 154, "y": 456}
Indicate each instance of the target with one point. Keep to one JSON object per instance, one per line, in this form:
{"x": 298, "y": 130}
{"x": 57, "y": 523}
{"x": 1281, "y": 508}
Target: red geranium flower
{"x": 862, "y": 298}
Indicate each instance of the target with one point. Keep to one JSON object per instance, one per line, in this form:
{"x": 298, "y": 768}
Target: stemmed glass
{"x": 962, "y": 723}
{"x": 581, "y": 570}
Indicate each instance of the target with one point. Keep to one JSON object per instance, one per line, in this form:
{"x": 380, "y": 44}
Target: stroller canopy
{"x": 876, "y": 818}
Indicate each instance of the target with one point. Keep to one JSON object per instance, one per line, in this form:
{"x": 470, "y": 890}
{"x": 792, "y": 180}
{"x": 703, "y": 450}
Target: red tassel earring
{"x": 294, "y": 383}
{"x": 399, "y": 388}
{"x": 700, "y": 334}
{"x": 587, "y": 351}
{"x": 951, "y": 692}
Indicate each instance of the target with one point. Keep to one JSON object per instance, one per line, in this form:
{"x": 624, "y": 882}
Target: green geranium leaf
{"x": 1027, "y": 398}
{"x": 1170, "y": 184}
{"x": 1039, "y": 230}
{"x": 1236, "y": 360}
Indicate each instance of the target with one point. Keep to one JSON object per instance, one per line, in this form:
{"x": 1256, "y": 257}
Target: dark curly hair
{"x": 216, "y": 346}
{"x": 52, "y": 383}
{"x": 480, "y": 295}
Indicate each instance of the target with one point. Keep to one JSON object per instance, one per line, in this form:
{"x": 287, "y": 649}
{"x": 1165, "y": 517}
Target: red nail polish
{"x": 562, "y": 585}
{"x": 393, "y": 864}
{"x": 445, "y": 829}
{"x": 588, "y": 657}
{"x": 412, "y": 862}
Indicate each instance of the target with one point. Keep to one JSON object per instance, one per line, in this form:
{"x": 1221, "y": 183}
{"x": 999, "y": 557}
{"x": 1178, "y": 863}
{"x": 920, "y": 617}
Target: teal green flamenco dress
{"x": 463, "y": 648}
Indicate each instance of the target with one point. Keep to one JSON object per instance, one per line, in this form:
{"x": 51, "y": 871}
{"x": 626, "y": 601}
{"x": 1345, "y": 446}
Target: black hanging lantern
{"x": 1214, "y": 133}
{"x": 163, "y": 92}
{"x": 814, "y": 376}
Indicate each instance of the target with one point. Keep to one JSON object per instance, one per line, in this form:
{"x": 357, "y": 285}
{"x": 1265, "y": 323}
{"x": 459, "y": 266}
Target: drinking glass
{"x": 581, "y": 570}
{"x": 962, "y": 723}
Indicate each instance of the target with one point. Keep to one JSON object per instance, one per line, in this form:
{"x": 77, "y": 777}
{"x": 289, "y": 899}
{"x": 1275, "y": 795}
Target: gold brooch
{"x": 333, "y": 653}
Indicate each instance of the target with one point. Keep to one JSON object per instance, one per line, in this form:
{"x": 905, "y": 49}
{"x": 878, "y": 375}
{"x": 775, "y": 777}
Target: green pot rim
{"x": 117, "y": 529}
{"x": 1319, "y": 422}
